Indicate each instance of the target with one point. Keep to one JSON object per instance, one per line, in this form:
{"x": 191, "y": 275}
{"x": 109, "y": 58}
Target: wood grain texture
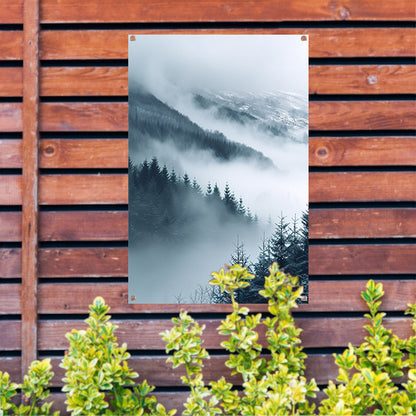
{"x": 11, "y": 82}
{"x": 112, "y": 262}
{"x": 362, "y": 115}
{"x": 11, "y": 45}
{"x": 13, "y": 340}
{"x": 362, "y": 151}
{"x": 144, "y": 334}
{"x": 325, "y": 296}
{"x": 11, "y": 11}
{"x": 362, "y": 259}
{"x": 323, "y": 115}
{"x": 11, "y": 117}
{"x": 323, "y": 43}
{"x": 362, "y": 186}
{"x": 362, "y": 223}
{"x": 10, "y": 153}
{"x": 83, "y": 153}
{"x": 99, "y": 11}
{"x": 10, "y": 300}
{"x": 11, "y": 190}
{"x": 10, "y": 226}
{"x": 30, "y": 181}
{"x": 362, "y": 79}
{"x": 323, "y": 79}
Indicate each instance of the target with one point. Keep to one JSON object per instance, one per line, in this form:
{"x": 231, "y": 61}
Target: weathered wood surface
{"x": 353, "y": 259}
{"x": 11, "y": 44}
{"x": 11, "y": 117}
{"x": 11, "y": 82}
{"x": 10, "y": 300}
{"x": 325, "y": 296}
{"x": 11, "y": 11}
{"x": 324, "y": 79}
{"x": 112, "y": 188}
{"x": 362, "y": 151}
{"x": 362, "y": 223}
{"x": 112, "y": 153}
{"x": 323, "y": 43}
{"x": 99, "y": 11}
{"x": 113, "y": 225}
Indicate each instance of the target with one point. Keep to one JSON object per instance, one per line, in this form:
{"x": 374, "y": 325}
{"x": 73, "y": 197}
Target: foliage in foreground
{"x": 98, "y": 380}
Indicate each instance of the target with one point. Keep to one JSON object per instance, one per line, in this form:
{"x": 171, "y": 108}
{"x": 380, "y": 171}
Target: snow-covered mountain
{"x": 280, "y": 114}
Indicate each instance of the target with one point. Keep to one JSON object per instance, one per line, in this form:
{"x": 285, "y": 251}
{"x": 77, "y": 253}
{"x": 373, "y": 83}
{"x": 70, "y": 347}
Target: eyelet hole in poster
{"x": 218, "y": 163}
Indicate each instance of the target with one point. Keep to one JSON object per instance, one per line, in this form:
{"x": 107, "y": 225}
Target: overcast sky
{"x": 220, "y": 62}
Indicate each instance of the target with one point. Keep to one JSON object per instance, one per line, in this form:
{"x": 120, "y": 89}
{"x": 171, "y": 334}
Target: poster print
{"x": 218, "y": 162}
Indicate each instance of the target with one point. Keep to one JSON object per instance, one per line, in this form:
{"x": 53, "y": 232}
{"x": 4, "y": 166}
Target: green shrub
{"x": 98, "y": 380}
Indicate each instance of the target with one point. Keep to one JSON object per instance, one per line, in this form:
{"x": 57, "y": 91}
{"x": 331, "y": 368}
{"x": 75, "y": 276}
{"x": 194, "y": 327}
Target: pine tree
{"x": 196, "y": 187}
{"x": 279, "y": 243}
{"x": 186, "y": 180}
{"x": 209, "y": 190}
{"x": 173, "y": 178}
{"x": 229, "y": 200}
{"x": 216, "y": 192}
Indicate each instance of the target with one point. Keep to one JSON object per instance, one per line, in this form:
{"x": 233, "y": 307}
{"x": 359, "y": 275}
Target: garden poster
{"x": 218, "y": 162}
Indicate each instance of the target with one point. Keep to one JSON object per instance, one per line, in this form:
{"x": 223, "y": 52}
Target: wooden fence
{"x": 63, "y": 165}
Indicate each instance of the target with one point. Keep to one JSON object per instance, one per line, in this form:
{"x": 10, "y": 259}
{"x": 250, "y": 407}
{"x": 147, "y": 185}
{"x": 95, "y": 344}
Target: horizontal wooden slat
{"x": 112, "y": 153}
{"x": 323, "y": 79}
{"x": 113, "y": 225}
{"x": 362, "y": 151}
{"x": 362, "y": 259}
{"x": 83, "y": 153}
{"x": 11, "y": 45}
{"x": 11, "y": 11}
{"x": 145, "y": 334}
{"x": 10, "y": 153}
{"x": 362, "y": 186}
{"x": 12, "y": 341}
{"x": 100, "y": 11}
{"x": 112, "y": 189}
{"x": 362, "y": 79}
{"x": 10, "y": 117}
{"x": 362, "y": 115}
{"x": 362, "y": 223}
{"x": 10, "y": 299}
{"x": 112, "y": 44}
{"x": 11, "y": 82}
{"x": 112, "y": 262}
{"x": 323, "y": 115}
{"x": 325, "y": 296}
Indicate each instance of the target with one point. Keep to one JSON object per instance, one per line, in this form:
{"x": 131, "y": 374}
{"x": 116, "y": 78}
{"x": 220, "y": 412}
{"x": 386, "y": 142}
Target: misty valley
{"x": 201, "y": 195}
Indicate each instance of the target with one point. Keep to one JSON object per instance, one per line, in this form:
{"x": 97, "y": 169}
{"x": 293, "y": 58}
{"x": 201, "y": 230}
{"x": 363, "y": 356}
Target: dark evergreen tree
{"x": 229, "y": 200}
{"x": 209, "y": 190}
{"x": 196, "y": 187}
{"x": 186, "y": 180}
{"x": 279, "y": 243}
{"x": 173, "y": 178}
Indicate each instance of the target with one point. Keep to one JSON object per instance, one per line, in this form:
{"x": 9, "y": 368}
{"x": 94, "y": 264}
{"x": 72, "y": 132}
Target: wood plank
{"x": 11, "y": 11}
{"x": 323, "y": 79}
{"x": 362, "y": 186}
{"x": 30, "y": 180}
{"x": 10, "y": 226}
{"x": 323, "y": 43}
{"x": 11, "y": 117}
{"x": 10, "y": 153}
{"x": 362, "y": 223}
{"x": 100, "y": 11}
{"x": 362, "y": 79}
{"x": 83, "y": 189}
{"x": 11, "y": 45}
{"x": 83, "y": 153}
{"x": 10, "y": 263}
{"x": 72, "y": 81}
{"x": 108, "y": 262}
{"x": 11, "y": 190}
{"x": 11, "y": 342}
{"x": 144, "y": 334}
{"x": 323, "y": 115}
{"x": 112, "y": 188}
{"x": 362, "y": 115}
{"x": 11, "y": 82}
{"x": 325, "y": 296}
{"x": 362, "y": 151}
{"x": 362, "y": 259}
{"x": 10, "y": 299}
